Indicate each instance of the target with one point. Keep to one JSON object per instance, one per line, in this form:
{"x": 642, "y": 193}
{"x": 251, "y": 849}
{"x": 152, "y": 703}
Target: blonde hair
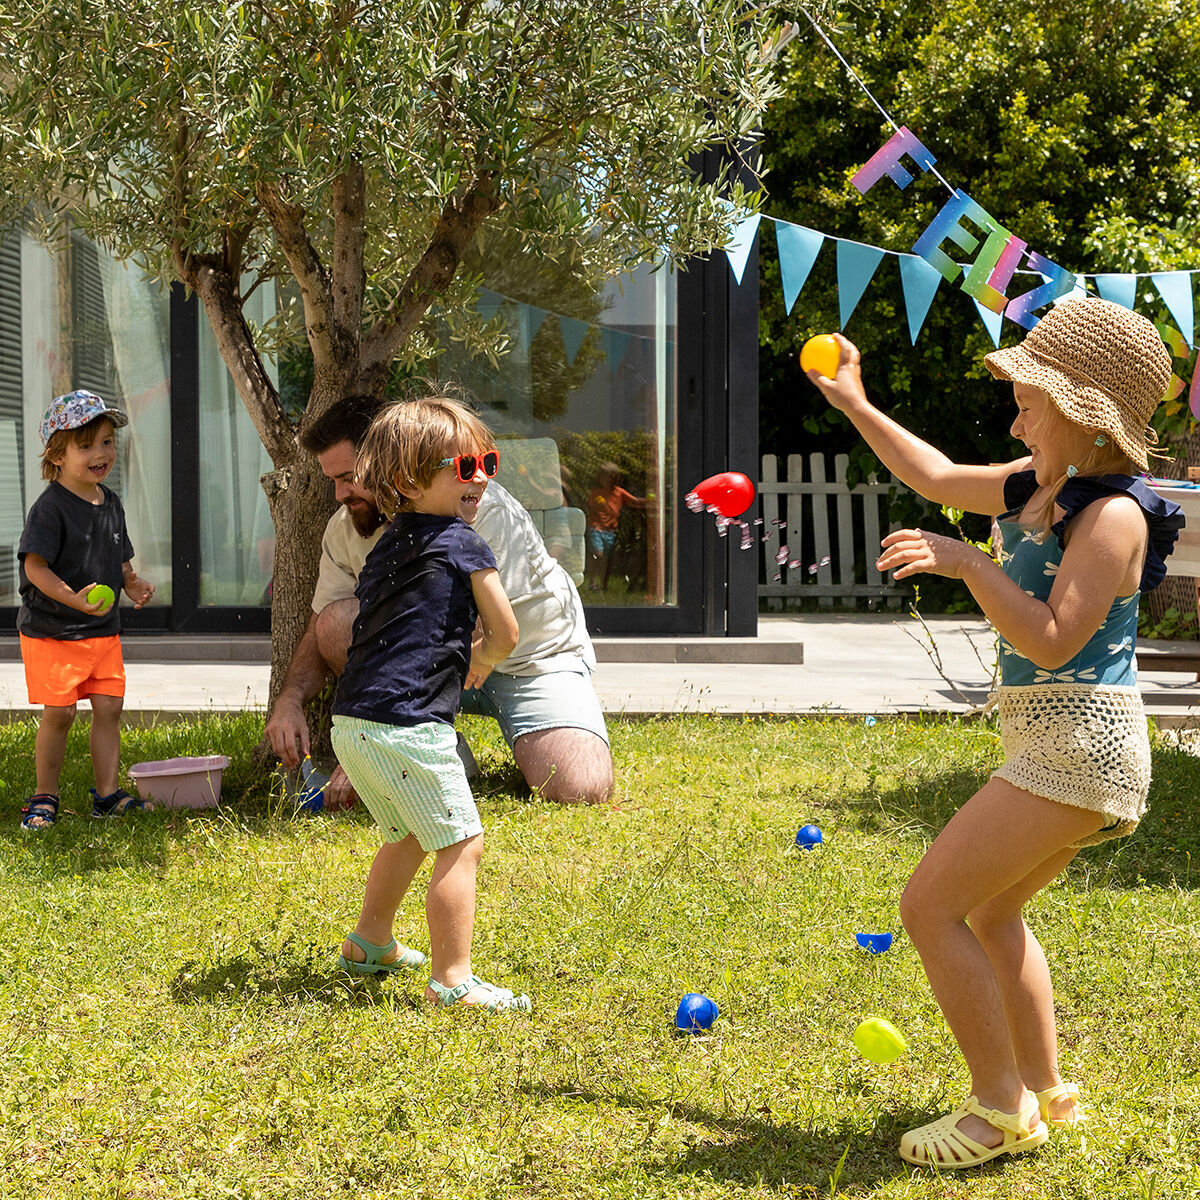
{"x": 407, "y": 441}
{"x": 57, "y": 443}
{"x": 1106, "y": 459}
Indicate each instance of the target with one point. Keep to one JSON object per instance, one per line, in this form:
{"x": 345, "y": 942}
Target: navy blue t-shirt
{"x": 81, "y": 543}
{"x": 412, "y": 640}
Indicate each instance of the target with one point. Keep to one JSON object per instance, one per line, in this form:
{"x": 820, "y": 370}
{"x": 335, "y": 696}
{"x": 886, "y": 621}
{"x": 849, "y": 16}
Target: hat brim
{"x": 1073, "y": 397}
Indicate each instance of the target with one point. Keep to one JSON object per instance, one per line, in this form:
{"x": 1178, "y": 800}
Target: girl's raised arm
{"x": 915, "y": 463}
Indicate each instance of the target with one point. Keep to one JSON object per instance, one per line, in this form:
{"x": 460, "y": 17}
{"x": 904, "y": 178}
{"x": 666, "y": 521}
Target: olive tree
{"x": 355, "y": 150}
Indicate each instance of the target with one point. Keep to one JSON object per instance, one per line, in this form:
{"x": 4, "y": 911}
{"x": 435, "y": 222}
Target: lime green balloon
{"x": 101, "y": 594}
{"x": 879, "y": 1040}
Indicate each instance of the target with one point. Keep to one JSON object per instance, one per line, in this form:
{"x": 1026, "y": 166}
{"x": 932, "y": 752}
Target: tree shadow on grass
{"x": 1163, "y": 852}
{"x": 755, "y": 1151}
{"x": 290, "y": 971}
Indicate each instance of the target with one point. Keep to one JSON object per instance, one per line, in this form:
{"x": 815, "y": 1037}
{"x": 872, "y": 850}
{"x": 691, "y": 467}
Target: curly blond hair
{"x": 408, "y": 440}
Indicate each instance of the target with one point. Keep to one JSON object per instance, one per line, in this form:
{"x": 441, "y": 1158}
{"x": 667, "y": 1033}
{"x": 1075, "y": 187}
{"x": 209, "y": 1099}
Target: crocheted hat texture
{"x": 1103, "y": 366}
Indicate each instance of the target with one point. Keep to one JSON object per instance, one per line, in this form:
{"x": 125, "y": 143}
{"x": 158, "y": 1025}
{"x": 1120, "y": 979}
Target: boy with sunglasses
{"x": 429, "y": 576}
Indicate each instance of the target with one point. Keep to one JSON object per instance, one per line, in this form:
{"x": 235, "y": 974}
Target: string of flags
{"x": 530, "y": 318}
{"x": 858, "y": 263}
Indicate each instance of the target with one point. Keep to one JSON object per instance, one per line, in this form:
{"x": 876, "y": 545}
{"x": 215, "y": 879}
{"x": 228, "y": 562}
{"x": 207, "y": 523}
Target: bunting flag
{"x": 616, "y": 346}
{"x": 1120, "y": 289}
{"x": 573, "y": 332}
{"x": 992, "y": 321}
{"x": 856, "y": 267}
{"x": 1194, "y": 395}
{"x": 920, "y": 281}
{"x": 798, "y": 249}
{"x": 1078, "y": 289}
{"x": 738, "y": 250}
{"x": 1175, "y": 287}
{"x": 488, "y": 303}
{"x": 529, "y": 321}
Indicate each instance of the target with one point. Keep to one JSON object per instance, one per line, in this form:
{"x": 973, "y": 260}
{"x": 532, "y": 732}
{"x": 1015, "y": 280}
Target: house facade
{"x": 654, "y": 375}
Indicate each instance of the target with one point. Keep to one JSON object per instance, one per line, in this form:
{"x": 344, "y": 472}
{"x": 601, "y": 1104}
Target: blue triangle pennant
{"x": 573, "y": 332}
{"x": 529, "y": 321}
{"x": 1175, "y": 287}
{"x": 1120, "y": 289}
{"x": 616, "y": 346}
{"x": 798, "y": 250}
{"x": 488, "y": 303}
{"x": 738, "y": 250}
{"x": 919, "y": 279}
{"x": 856, "y": 266}
{"x": 991, "y": 320}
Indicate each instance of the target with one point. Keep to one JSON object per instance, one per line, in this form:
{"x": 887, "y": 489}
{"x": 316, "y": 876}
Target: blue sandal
{"x": 499, "y": 999}
{"x": 119, "y": 804}
{"x": 373, "y": 964}
{"x": 43, "y": 808}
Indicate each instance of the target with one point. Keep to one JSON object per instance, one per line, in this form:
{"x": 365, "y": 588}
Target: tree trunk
{"x": 301, "y": 503}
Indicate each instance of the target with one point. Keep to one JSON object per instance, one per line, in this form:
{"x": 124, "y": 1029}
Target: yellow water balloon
{"x": 822, "y": 354}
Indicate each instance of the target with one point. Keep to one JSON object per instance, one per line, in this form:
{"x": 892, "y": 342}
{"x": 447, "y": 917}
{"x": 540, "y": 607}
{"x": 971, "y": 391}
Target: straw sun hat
{"x": 1103, "y": 367}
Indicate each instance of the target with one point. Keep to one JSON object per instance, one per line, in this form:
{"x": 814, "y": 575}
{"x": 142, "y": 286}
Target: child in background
{"x": 1082, "y": 536}
{"x": 427, "y": 462}
{"x": 74, "y": 540}
{"x": 604, "y": 504}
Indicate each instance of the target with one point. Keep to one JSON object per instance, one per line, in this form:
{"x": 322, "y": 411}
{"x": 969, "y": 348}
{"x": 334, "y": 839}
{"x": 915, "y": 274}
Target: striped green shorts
{"x": 410, "y": 778}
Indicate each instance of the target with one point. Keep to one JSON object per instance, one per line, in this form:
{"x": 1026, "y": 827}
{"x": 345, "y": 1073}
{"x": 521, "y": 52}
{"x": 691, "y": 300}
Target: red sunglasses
{"x": 465, "y": 465}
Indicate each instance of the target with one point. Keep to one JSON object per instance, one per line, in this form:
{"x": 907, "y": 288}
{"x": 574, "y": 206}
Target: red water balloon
{"x": 730, "y": 493}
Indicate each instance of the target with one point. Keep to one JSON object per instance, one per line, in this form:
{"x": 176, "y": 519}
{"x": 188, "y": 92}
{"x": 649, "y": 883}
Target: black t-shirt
{"x": 81, "y": 543}
{"x": 412, "y": 641}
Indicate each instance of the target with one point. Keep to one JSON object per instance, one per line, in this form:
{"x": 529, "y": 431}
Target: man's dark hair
{"x": 347, "y": 421}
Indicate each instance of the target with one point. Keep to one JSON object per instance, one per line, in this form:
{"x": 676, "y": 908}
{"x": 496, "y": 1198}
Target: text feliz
{"x": 1001, "y": 254}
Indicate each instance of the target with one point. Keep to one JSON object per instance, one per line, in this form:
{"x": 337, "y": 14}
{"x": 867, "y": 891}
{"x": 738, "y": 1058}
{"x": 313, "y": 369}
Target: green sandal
{"x": 373, "y": 964}
{"x": 499, "y": 999}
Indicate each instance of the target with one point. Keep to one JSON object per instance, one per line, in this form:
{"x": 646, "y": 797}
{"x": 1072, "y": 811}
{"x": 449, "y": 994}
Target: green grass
{"x": 173, "y": 1025}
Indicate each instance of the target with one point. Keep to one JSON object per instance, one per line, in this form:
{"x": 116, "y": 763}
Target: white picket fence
{"x": 805, "y": 505}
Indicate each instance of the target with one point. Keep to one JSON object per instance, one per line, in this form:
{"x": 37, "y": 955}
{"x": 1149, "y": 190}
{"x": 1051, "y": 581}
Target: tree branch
{"x": 433, "y": 274}
{"x": 217, "y": 290}
{"x": 349, "y": 242}
{"x": 287, "y": 220}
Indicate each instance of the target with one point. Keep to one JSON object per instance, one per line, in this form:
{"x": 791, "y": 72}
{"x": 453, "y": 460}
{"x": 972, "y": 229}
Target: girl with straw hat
{"x": 1082, "y": 538}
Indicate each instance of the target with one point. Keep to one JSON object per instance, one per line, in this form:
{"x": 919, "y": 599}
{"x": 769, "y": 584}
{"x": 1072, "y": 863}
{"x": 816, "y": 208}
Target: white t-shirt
{"x": 553, "y": 632}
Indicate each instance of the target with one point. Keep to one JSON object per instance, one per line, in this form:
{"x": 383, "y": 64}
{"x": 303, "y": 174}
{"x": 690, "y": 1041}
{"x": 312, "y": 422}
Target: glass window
{"x": 237, "y": 537}
{"x": 584, "y": 405}
{"x": 79, "y": 319}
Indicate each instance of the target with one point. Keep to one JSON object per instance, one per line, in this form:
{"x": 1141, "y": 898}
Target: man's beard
{"x": 367, "y": 518}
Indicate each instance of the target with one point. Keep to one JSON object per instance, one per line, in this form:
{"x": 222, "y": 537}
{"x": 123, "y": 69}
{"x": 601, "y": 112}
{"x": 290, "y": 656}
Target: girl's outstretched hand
{"x": 912, "y": 551}
{"x": 845, "y": 390}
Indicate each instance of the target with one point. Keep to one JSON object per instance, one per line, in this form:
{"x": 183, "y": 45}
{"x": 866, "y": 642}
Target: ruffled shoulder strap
{"x": 1164, "y": 518}
{"x": 1018, "y": 487}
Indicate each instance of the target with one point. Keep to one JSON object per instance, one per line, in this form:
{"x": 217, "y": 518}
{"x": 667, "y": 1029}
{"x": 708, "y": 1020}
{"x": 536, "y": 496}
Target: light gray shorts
{"x": 410, "y": 778}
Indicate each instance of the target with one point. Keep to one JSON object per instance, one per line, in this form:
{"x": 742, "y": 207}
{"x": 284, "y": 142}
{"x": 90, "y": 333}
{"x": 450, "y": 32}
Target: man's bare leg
{"x": 570, "y": 766}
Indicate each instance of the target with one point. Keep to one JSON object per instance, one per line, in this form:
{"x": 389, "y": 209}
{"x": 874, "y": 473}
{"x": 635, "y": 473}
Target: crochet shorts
{"x": 1079, "y": 744}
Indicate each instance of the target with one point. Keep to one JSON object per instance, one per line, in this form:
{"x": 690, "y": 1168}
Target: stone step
{"x": 256, "y": 648}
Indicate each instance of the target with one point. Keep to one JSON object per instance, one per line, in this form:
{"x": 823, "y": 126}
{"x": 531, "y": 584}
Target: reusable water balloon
{"x": 101, "y": 594}
{"x": 822, "y": 354}
{"x": 874, "y": 943}
{"x": 879, "y": 1040}
{"x": 696, "y": 1012}
{"x": 809, "y": 836}
{"x": 730, "y": 493}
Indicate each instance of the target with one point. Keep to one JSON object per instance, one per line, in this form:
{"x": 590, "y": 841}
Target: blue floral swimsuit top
{"x": 1108, "y": 657}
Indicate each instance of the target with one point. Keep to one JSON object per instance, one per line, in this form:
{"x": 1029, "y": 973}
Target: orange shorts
{"x": 58, "y": 672}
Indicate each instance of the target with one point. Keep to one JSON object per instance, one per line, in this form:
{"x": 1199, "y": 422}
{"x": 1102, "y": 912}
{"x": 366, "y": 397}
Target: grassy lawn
{"x": 174, "y": 1026}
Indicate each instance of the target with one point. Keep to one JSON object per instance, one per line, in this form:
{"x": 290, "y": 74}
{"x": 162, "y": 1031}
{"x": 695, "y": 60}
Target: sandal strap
{"x": 373, "y": 952}
{"x": 499, "y": 999}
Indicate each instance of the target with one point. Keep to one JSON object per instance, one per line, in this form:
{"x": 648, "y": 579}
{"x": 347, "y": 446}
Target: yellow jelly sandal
{"x": 943, "y": 1145}
{"x": 1061, "y": 1091}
